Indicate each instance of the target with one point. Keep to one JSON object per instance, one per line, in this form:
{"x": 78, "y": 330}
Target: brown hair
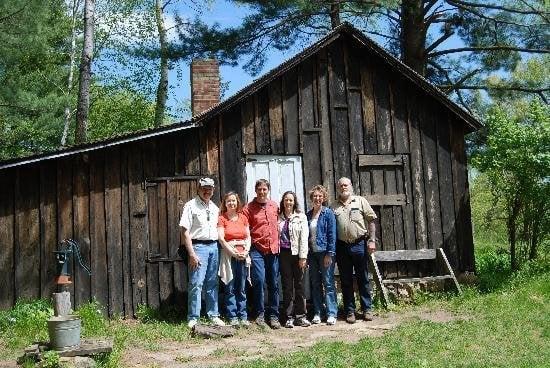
{"x": 322, "y": 189}
{"x": 295, "y": 208}
{"x": 260, "y": 182}
{"x": 223, "y": 207}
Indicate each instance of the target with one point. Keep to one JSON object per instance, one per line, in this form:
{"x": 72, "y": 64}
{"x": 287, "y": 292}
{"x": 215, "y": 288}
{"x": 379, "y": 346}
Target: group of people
{"x": 263, "y": 240}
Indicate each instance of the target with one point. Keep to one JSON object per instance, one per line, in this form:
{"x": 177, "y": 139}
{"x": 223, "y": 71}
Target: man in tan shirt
{"x": 356, "y": 233}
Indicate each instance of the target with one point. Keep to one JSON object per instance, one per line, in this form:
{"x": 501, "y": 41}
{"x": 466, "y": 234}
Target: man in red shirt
{"x": 262, "y": 214}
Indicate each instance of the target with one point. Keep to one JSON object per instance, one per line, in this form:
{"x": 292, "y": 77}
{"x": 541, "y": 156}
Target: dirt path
{"x": 253, "y": 343}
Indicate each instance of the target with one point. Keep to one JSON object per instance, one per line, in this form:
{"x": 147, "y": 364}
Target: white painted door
{"x": 283, "y": 172}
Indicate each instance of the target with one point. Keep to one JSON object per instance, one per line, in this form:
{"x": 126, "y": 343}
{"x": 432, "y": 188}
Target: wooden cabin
{"x": 342, "y": 107}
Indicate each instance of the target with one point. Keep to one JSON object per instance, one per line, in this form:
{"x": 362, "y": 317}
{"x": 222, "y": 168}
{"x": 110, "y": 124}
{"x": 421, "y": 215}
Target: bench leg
{"x": 378, "y": 280}
{"x": 445, "y": 263}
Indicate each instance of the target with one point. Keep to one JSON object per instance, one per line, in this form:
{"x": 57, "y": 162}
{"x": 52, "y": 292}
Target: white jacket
{"x": 298, "y": 230}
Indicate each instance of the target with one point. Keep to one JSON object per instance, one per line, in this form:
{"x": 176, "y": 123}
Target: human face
{"x": 317, "y": 198}
{"x": 206, "y": 193}
{"x": 262, "y": 191}
{"x": 345, "y": 188}
{"x": 231, "y": 203}
{"x": 288, "y": 203}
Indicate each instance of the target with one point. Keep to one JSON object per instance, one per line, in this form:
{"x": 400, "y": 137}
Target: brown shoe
{"x": 274, "y": 323}
{"x": 350, "y": 318}
{"x": 367, "y": 315}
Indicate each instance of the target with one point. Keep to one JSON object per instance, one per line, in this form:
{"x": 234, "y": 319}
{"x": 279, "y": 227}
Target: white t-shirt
{"x": 200, "y": 219}
{"x": 313, "y": 235}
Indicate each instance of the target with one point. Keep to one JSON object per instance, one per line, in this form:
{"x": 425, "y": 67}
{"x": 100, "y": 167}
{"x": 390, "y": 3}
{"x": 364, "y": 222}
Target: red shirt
{"x": 233, "y": 230}
{"x": 263, "y": 221}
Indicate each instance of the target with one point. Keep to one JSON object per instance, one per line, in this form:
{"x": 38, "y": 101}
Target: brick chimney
{"x": 205, "y": 85}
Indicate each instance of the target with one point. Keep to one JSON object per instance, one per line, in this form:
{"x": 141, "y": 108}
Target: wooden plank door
{"x": 166, "y": 274}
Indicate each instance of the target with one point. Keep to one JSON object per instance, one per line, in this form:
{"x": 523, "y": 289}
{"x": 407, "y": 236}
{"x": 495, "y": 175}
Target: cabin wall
{"x": 341, "y": 109}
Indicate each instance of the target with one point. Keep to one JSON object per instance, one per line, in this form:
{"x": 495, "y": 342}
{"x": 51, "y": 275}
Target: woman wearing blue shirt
{"x": 322, "y": 245}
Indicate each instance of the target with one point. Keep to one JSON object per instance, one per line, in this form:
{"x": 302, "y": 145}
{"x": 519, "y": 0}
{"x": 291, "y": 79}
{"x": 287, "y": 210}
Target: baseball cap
{"x": 206, "y": 182}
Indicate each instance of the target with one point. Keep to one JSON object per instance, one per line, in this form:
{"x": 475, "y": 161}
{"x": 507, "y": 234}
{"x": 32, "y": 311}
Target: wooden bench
{"x": 442, "y": 265}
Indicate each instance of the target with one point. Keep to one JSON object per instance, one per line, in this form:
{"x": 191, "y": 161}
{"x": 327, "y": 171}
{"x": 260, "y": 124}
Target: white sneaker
{"x": 192, "y": 323}
{"x": 316, "y": 319}
{"x": 331, "y": 321}
{"x": 216, "y": 321}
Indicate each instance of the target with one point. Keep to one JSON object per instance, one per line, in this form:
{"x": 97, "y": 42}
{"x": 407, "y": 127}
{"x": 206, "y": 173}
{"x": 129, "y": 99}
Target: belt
{"x": 199, "y": 241}
{"x": 356, "y": 241}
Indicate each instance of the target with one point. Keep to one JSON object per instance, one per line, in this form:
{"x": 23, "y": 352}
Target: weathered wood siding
{"x": 343, "y": 110}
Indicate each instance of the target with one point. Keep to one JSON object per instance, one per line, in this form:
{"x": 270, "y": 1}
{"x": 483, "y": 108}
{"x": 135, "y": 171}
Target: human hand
{"x": 302, "y": 262}
{"x": 327, "y": 260}
{"x": 371, "y": 246}
{"x": 194, "y": 261}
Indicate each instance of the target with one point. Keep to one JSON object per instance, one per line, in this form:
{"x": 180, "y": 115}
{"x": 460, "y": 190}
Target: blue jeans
{"x": 265, "y": 270}
{"x": 235, "y": 295}
{"x": 204, "y": 277}
{"x": 352, "y": 257}
{"x": 321, "y": 275}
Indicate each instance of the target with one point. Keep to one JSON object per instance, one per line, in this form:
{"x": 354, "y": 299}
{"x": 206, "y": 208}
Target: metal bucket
{"x": 64, "y": 332}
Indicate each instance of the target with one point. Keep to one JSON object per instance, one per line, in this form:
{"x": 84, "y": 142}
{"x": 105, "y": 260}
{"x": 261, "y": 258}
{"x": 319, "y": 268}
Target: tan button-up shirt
{"x": 352, "y": 219}
{"x": 200, "y": 219}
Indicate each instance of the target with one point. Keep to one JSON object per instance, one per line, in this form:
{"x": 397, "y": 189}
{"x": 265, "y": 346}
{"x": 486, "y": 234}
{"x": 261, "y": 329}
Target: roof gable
{"x": 344, "y": 29}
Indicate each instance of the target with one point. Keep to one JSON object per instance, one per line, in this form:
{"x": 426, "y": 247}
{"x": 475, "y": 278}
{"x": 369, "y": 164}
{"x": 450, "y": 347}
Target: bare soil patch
{"x": 253, "y": 342}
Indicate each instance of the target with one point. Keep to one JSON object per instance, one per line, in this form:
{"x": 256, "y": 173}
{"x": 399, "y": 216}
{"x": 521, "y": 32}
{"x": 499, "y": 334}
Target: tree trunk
{"x": 413, "y": 36}
{"x": 162, "y": 89}
{"x": 335, "y": 14}
{"x": 72, "y": 57}
{"x": 512, "y": 233}
{"x": 85, "y": 73}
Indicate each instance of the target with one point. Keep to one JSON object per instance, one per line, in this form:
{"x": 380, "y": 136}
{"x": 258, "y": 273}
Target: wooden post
{"x": 62, "y": 303}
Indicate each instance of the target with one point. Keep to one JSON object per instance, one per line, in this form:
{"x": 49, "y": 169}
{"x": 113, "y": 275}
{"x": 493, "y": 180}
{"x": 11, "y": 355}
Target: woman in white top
{"x": 293, "y": 238}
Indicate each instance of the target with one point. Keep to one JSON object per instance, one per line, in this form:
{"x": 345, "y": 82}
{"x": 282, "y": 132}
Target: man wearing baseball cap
{"x": 200, "y": 237}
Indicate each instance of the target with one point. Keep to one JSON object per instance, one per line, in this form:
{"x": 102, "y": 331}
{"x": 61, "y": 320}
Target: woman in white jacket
{"x": 293, "y": 241}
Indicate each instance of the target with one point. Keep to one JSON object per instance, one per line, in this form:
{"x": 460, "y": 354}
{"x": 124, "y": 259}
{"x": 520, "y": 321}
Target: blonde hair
{"x": 322, "y": 190}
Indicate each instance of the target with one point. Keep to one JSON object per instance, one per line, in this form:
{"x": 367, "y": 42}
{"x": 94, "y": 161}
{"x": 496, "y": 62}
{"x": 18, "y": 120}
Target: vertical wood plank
{"x": 212, "y": 148}
{"x": 98, "y": 242}
{"x": 307, "y": 114}
{"x": 261, "y": 122}
{"x": 128, "y": 289}
{"x": 311, "y": 164}
{"x": 276, "y": 117}
{"x": 355, "y": 117}
{"x": 113, "y": 231}
{"x": 166, "y": 168}
{"x": 324, "y": 123}
{"x": 369, "y": 124}
{"x": 339, "y": 111}
{"x": 417, "y": 174}
{"x": 138, "y": 226}
{"x": 248, "y": 130}
{"x": 232, "y": 165}
{"x": 429, "y": 155}
{"x": 179, "y": 152}
{"x": 27, "y": 233}
{"x": 446, "y": 194}
{"x": 65, "y": 207}
{"x": 462, "y": 199}
{"x": 152, "y": 247}
{"x": 81, "y": 208}
{"x": 192, "y": 152}
{"x": 7, "y": 238}
{"x": 48, "y": 227}
{"x": 290, "y": 112}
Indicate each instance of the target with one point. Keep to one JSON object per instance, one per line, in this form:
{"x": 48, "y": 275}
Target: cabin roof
{"x": 344, "y": 29}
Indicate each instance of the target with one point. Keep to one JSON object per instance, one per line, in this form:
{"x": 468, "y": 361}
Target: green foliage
{"x": 93, "y": 320}
{"x": 51, "y": 359}
{"x": 25, "y": 322}
{"x": 516, "y": 160}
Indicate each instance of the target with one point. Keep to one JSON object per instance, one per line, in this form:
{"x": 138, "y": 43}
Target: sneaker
{"x": 260, "y": 321}
{"x": 234, "y": 322}
{"x": 350, "y": 318}
{"x": 192, "y": 323}
{"x": 331, "y": 321}
{"x": 216, "y": 321}
{"x": 367, "y": 315}
{"x": 289, "y": 323}
{"x": 274, "y": 323}
{"x": 302, "y": 322}
{"x": 244, "y": 322}
{"x": 316, "y": 319}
